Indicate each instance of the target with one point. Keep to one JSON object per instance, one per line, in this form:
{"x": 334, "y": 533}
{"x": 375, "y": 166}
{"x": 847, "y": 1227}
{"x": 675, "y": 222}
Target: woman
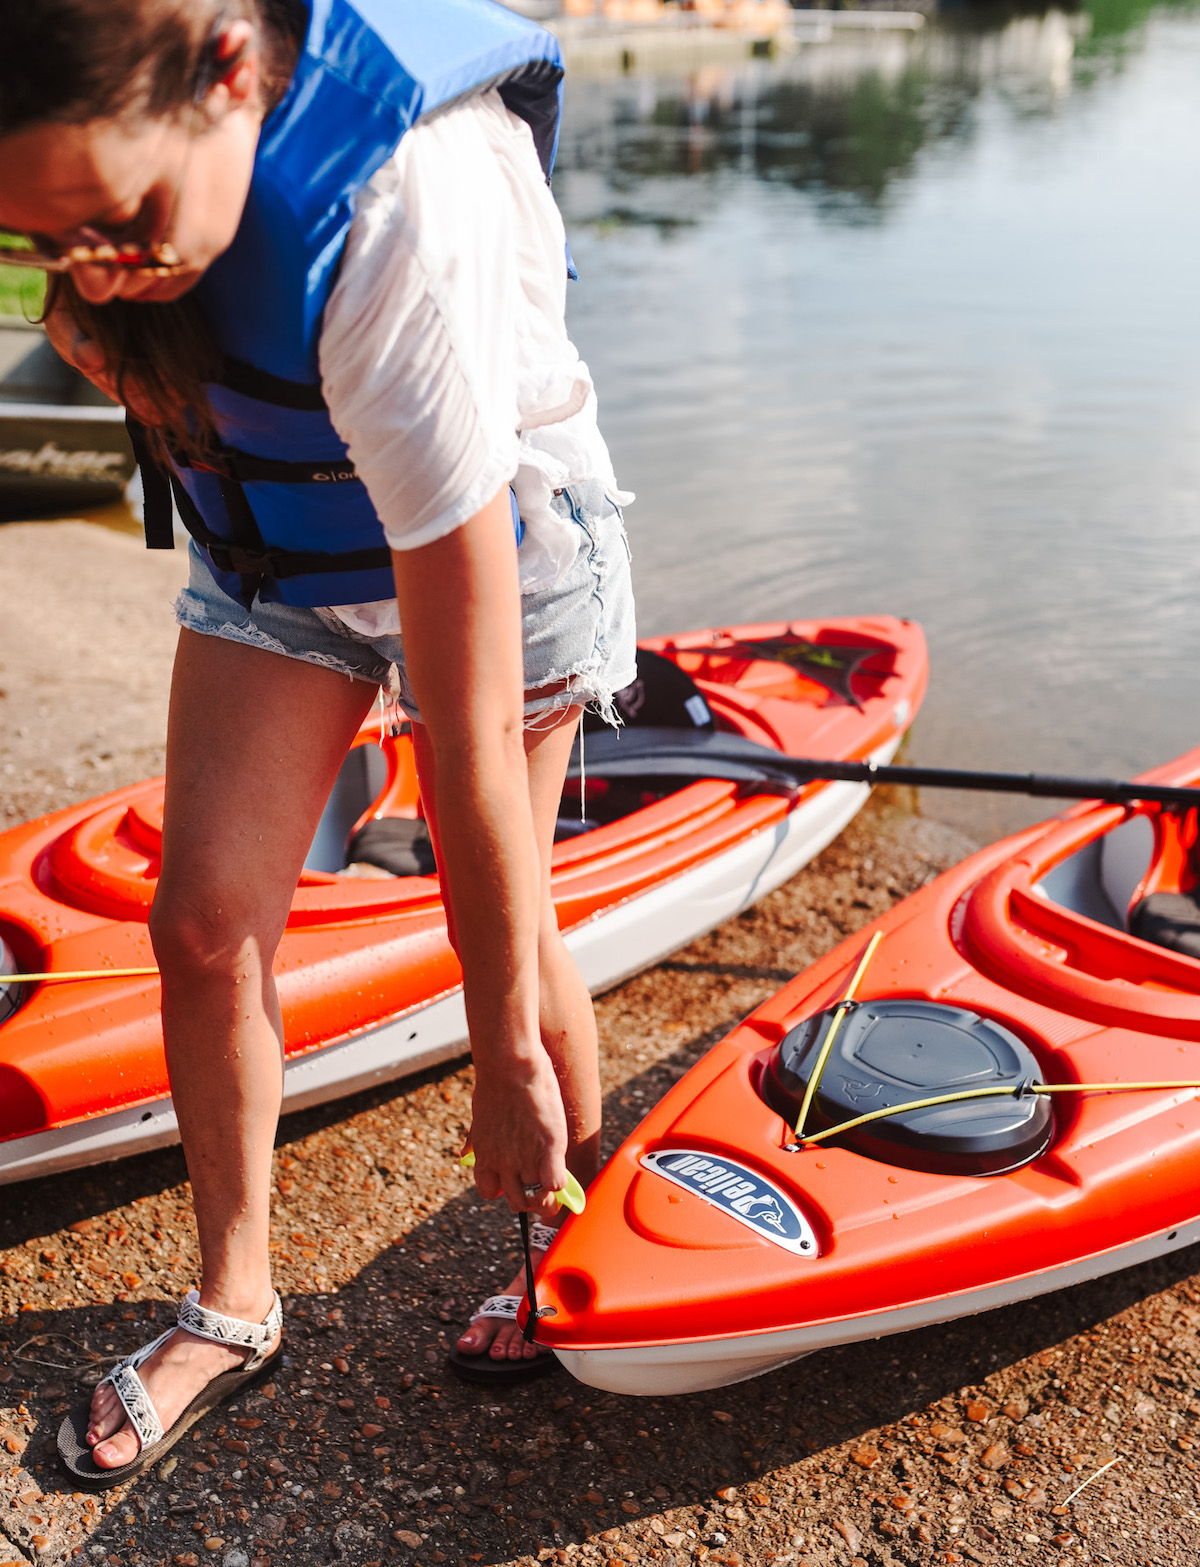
{"x": 313, "y": 249}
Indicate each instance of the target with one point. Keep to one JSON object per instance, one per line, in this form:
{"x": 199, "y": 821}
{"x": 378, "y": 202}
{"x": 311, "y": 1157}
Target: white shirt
{"x": 444, "y": 354}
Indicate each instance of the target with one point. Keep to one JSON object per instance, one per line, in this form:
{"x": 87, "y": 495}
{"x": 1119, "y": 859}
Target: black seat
{"x": 1169, "y": 919}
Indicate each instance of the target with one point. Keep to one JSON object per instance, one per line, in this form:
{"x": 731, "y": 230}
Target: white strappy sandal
{"x": 73, "y": 1449}
{"x": 482, "y": 1368}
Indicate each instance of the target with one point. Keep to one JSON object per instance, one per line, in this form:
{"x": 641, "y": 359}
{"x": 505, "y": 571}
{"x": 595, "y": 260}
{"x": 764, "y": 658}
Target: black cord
{"x": 535, "y": 1312}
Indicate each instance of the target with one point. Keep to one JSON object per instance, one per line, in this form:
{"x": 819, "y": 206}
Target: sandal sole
{"x": 483, "y": 1371}
{"x": 75, "y": 1455}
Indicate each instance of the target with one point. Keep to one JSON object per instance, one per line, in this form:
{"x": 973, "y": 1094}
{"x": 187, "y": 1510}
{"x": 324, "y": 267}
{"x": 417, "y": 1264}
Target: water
{"x": 913, "y": 325}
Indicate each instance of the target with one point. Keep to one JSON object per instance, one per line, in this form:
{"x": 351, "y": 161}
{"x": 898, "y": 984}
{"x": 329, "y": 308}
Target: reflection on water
{"x": 909, "y": 323}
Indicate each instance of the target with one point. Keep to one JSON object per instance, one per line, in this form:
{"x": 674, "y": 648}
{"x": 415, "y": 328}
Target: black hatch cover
{"x": 889, "y": 1052}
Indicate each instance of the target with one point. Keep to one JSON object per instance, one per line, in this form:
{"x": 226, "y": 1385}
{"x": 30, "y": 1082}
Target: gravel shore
{"x": 956, "y": 1444}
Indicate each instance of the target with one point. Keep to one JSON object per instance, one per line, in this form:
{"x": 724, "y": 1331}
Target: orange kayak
{"x": 369, "y": 985}
{"x": 1027, "y": 993}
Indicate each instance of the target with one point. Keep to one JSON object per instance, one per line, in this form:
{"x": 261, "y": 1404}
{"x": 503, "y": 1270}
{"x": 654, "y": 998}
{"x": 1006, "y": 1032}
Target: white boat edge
{"x": 608, "y": 949}
{"x": 661, "y": 1370}
{"x": 62, "y": 413}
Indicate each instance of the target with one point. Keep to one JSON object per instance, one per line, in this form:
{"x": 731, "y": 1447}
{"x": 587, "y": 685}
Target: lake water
{"x": 913, "y": 325}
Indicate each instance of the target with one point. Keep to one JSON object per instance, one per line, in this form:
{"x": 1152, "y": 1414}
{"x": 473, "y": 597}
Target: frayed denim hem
{"x": 587, "y": 688}
{"x": 253, "y": 636}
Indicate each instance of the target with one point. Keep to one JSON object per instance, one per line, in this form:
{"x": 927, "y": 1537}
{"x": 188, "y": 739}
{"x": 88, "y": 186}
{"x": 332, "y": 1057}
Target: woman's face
{"x": 180, "y": 180}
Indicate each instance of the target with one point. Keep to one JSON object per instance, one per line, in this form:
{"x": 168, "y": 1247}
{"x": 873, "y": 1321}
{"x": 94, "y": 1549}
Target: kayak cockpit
{"x": 1074, "y": 921}
{"x": 1102, "y": 879}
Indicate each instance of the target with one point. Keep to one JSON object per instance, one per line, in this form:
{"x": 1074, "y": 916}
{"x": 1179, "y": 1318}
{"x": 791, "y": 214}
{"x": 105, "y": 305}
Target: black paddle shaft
{"x": 647, "y": 753}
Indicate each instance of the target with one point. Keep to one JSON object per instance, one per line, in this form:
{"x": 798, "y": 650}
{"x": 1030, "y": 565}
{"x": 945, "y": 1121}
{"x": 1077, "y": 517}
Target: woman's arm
{"x": 460, "y": 613}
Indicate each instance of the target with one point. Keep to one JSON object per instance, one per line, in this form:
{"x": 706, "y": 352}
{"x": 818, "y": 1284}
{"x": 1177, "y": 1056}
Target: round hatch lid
{"x": 890, "y": 1052}
{"x": 12, "y": 992}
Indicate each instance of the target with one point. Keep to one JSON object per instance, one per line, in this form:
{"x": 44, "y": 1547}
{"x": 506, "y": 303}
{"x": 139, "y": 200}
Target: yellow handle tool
{"x": 570, "y": 1196}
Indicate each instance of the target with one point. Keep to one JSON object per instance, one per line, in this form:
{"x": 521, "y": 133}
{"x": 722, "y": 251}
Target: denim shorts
{"x": 578, "y": 635}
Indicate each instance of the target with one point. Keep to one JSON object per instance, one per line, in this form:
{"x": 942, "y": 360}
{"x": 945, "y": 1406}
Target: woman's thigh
{"x": 254, "y": 743}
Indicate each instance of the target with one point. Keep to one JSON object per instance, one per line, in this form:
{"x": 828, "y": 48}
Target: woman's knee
{"x": 211, "y": 937}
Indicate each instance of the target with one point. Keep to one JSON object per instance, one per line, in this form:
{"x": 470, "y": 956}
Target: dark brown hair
{"x": 69, "y": 62}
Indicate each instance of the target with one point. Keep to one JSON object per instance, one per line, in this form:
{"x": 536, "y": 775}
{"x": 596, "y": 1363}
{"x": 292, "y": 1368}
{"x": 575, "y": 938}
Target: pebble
{"x": 795, "y": 1475}
{"x": 978, "y": 1411}
{"x": 995, "y": 1456}
{"x": 851, "y": 1533}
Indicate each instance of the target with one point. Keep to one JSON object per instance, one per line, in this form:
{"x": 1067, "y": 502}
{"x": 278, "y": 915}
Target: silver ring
{"x": 531, "y": 1191}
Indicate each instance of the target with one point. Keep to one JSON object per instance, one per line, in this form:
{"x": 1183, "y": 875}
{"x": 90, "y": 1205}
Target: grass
{"x": 21, "y": 292}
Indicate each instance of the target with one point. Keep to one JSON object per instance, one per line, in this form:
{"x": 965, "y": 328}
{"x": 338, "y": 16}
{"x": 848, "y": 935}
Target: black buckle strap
{"x": 247, "y": 468}
{"x": 268, "y": 561}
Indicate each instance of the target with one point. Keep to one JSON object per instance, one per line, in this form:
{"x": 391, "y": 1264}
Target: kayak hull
{"x": 369, "y": 986}
{"x": 656, "y": 1371}
{"x": 662, "y": 1287}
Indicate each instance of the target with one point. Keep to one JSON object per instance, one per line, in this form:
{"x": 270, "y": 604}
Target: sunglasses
{"x": 161, "y": 260}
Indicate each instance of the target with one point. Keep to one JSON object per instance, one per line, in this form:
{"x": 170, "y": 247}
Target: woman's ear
{"x": 235, "y": 69}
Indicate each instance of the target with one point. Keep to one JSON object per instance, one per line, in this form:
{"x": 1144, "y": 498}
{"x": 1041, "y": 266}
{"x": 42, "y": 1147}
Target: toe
{"x": 477, "y": 1338}
{"x": 118, "y": 1450}
{"x": 107, "y": 1414}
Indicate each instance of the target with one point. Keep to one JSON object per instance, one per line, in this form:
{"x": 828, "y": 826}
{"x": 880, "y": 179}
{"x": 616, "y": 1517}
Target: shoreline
{"x": 953, "y": 1444}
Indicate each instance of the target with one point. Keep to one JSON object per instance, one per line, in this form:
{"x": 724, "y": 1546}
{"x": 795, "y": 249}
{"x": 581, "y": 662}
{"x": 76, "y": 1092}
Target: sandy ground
{"x": 957, "y": 1444}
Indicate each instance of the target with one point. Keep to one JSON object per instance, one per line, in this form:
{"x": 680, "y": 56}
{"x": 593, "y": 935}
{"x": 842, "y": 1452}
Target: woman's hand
{"x": 519, "y": 1135}
{"x": 73, "y": 345}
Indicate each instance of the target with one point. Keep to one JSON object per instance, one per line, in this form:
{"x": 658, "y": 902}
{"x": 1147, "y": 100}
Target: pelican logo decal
{"x": 740, "y": 1193}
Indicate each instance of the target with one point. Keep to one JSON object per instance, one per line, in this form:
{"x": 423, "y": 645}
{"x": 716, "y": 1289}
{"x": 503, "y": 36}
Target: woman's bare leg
{"x": 254, "y": 743}
{"x": 568, "y": 1023}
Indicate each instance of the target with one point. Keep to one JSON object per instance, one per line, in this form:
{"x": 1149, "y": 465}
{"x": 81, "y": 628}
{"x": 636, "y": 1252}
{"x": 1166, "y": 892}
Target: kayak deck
{"x": 1029, "y": 934}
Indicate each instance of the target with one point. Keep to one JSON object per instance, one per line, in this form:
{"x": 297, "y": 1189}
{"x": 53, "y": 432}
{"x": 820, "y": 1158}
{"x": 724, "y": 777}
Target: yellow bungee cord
{"x": 811, "y": 1139}
{"x": 844, "y": 1004}
{"x": 54, "y": 976}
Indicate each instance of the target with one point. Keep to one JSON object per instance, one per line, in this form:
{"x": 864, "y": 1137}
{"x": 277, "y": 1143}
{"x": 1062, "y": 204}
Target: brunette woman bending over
{"x": 287, "y": 236}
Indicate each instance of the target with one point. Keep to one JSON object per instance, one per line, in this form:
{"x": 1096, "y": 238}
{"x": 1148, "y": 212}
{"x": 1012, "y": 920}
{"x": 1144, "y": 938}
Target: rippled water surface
{"x": 913, "y": 325}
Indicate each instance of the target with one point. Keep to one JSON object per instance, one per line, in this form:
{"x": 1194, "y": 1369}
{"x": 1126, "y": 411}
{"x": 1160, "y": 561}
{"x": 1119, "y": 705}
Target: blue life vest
{"x": 281, "y": 513}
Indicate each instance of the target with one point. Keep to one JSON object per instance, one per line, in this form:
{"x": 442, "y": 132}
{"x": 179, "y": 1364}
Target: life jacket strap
{"x": 246, "y": 468}
{"x": 250, "y": 381}
{"x": 246, "y": 555}
{"x": 156, "y": 489}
